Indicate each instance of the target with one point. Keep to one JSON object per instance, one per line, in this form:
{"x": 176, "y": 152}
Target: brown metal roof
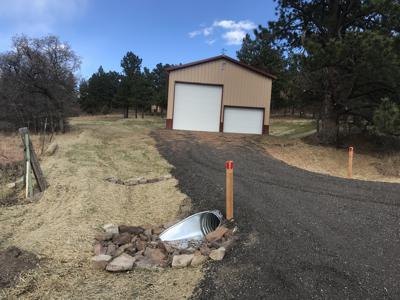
{"x": 248, "y": 67}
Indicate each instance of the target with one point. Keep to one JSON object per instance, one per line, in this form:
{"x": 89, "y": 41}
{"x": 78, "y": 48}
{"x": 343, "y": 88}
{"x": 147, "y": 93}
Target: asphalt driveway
{"x": 305, "y": 235}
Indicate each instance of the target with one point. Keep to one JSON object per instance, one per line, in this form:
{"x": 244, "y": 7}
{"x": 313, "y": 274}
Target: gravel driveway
{"x": 305, "y": 235}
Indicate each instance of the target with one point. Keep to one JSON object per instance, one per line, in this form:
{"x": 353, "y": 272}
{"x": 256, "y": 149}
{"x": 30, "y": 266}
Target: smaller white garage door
{"x": 243, "y": 120}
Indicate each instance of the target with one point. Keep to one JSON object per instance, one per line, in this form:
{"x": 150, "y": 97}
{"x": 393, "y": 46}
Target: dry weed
{"x": 60, "y": 227}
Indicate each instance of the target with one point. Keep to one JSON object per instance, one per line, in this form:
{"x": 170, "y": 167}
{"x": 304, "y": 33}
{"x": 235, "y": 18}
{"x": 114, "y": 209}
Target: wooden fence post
{"x": 229, "y": 189}
{"x": 31, "y": 164}
{"x": 350, "y": 164}
{"x": 28, "y": 173}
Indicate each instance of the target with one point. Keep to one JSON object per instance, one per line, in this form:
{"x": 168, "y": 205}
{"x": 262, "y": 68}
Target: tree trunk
{"x": 136, "y": 109}
{"x": 61, "y": 122}
{"x": 142, "y": 112}
{"x": 126, "y": 112}
{"x": 328, "y": 129}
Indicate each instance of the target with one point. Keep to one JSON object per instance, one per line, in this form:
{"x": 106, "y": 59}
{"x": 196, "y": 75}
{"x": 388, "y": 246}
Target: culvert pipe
{"x": 194, "y": 227}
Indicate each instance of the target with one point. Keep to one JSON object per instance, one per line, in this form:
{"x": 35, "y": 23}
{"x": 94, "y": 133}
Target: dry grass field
{"x": 286, "y": 144}
{"x": 60, "y": 227}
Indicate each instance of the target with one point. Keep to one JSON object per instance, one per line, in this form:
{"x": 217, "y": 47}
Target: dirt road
{"x": 305, "y": 235}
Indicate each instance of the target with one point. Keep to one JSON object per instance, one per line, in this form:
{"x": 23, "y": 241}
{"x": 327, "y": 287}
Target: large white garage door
{"x": 243, "y": 120}
{"x": 197, "y": 107}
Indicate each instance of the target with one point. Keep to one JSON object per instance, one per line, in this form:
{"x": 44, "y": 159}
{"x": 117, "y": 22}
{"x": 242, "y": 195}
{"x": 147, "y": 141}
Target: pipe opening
{"x": 209, "y": 222}
{"x": 194, "y": 227}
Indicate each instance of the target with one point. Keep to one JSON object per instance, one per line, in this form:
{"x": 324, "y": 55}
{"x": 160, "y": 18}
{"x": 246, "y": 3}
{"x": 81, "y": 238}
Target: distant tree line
{"x": 37, "y": 84}
{"x": 338, "y": 59}
{"x": 136, "y": 87}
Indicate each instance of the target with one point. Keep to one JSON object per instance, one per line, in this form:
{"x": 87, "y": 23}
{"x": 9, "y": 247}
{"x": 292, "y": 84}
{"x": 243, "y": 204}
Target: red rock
{"x": 205, "y": 250}
{"x": 122, "y": 238}
{"x": 104, "y": 236}
{"x": 143, "y": 237}
{"x": 141, "y": 245}
{"x": 99, "y": 249}
{"x": 122, "y": 249}
{"x": 169, "y": 224}
{"x": 157, "y": 230}
{"x": 101, "y": 261}
{"x": 111, "y": 228}
{"x": 124, "y": 262}
{"x": 148, "y": 232}
{"x": 131, "y": 181}
{"x": 198, "y": 260}
{"x": 111, "y": 249}
{"x": 180, "y": 261}
{"x": 142, "y": 180}
{"x": 167, "y": 247}
{"x": 152, "y": 180}
{"x": 216, "y": 234}
{"x": 131, "y": 229}
{"x": 156, "y": 256}
{"x": 217, "y": 254}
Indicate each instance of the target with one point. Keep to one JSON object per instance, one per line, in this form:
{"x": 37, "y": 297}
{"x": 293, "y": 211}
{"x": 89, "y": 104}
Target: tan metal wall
{"x": 242, "y": 87}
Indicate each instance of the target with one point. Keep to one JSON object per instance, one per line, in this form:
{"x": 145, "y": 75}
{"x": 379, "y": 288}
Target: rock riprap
{"x": 122, "y": 248}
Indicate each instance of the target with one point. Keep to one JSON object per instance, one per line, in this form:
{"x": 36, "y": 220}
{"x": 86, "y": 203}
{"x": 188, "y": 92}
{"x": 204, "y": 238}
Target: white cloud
{"x": 234, "y": 37}
{"x": 230, "y": 24}
{"x": 39, "y": 16}
{"x": 194, "y": 33}
{"x": 205, "y": 31}
{"x": 232, "y": 32}
{"x": 211, "y": 42}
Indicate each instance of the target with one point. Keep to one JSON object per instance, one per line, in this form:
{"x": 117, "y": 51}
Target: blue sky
{"x": 168, "y": 31}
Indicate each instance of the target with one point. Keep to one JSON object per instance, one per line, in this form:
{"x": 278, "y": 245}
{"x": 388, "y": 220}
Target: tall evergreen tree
{"x": 349, "y": 54}
{"x": 131, "y": 66}
{"x": 98, "y": 93}
{"x": 261, "y": 52}
{"x": 160, "y": 81}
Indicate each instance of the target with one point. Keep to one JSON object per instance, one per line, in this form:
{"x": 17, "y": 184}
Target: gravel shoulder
{"x": 305, "y": 235}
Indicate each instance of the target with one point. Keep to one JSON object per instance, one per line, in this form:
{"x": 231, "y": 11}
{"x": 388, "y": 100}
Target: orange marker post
{"x": 229, "y": 189}
{"x": 350, "y": 165}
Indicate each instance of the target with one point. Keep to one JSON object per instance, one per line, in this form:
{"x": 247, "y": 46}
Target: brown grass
{"x": 368, "y": 165}
{"x": 12, "y": 149}
{"x": 61, "y": 225}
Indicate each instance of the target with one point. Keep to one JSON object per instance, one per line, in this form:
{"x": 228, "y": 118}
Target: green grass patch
{"x": 292, "y": 128}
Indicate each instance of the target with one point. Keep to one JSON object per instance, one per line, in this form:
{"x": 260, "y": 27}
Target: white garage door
{"x": 243, "y": 120}
{"x": 197, "y": 107}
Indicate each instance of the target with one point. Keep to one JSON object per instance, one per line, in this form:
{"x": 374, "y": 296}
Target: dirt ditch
{"x": 14, "y": 262}
{"x": 9, "y": 173}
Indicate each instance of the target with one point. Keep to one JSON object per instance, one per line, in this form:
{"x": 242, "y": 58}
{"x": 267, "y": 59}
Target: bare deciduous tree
{"x": 37, "y": 81}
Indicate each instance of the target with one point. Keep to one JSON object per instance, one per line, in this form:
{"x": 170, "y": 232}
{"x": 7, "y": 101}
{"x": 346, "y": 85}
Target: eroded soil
{"x": 14, "y": 262}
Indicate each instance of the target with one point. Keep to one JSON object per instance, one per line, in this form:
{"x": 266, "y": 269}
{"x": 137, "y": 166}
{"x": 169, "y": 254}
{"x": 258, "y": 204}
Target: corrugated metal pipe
{"x": 194, "y": 227}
